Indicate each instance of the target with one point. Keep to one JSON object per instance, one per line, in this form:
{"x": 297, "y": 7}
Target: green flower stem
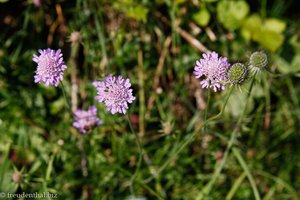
{"x": 140, "y": 155}
{"x": 50, "y": 167}
{"x": 235, "y": 186}
{"x": 189, "y": 139}
{"x": 65, "y": 96}
{"x": 83, "y": 160}
{"x": 206, "y": 110}
{"x": 207, "y": 188}
{"x": 223, "y": 108}
{"x": 244, "y": 165}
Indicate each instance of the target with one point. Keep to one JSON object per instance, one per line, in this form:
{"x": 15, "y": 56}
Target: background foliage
{"x": 156, "y": 44}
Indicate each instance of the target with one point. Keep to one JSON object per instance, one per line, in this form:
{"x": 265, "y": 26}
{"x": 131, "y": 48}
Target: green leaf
{"x": 236, "y": 103}
{"x": 282, "y": 65}
{"x": 295, "y": 43}
{"x": 202, "y": 17}
{"x": 275, "y": 25}
{"x": 232, "y": 13}
{"x": 267, "y": 33}
{"x": 178, "y": 2}
{"x": 253, "y": 23}
{"x": 251, "y": 27}
{"x": 36, "y": 165}
{"x": 57, "y": 106}
{"x": 210, "y": 1}
{"x": 132, "y": 9}
{"x": 270, "y": 39}
{"x": 138, "y": 12}
{"x": 246, "y": 34}
{"x": 296, "y": 62}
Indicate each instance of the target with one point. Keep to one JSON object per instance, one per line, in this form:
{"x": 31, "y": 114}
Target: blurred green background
{"x": 155, "y": 43}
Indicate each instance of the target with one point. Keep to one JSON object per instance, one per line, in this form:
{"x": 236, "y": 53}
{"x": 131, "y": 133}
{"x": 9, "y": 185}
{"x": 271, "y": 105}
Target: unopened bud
{"x": 258, "y": 60}
{"x": 237, "y": 73}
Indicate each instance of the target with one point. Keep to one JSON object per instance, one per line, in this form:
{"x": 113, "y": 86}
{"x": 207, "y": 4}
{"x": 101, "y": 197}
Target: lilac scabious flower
{"x": 213, "y": 69}
{"x": 115, "y": 93}
{"x": 86, "y": 120}
{"x": 50, "y": 67}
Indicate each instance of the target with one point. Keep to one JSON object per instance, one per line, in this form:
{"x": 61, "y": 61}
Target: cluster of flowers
{"x": 116, "y": 93}
{"x": 216, "y": 72}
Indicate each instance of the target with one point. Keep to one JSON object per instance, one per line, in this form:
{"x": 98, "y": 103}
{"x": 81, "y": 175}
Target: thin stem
{"x": 207, "y": 188}
{"x": 140, "y": 155}
{"x": 206, "y": 110}
{"x": 65, "y": 96}
{"x": 50, "y": 167}
{"x": 74, "y": 86}
{"x": 235, "y": 186}
{"x": 83, "y": 160}
{"x": 243, "y": 164}
{"x": 189, "y": 139}
{"x": 222, "y": 109}
{"x": 248, "y": 96}
{"x": 101, "y": 37}
{"x": 141, "y": 94}
{"x": 263, "y": 8}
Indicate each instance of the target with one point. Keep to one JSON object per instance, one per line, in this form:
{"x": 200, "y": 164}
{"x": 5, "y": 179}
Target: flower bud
{"x": 237, "y": 73}
{"x": 258, "y": 61}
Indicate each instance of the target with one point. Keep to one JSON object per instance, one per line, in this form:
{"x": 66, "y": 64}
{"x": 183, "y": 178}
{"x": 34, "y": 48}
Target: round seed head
{"x": 258, "y": 60}
{"x": 237, "y": 73}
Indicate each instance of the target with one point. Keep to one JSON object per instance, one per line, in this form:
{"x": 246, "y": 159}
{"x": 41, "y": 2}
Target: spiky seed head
{"x": 237, "y": 74}
{"x": 258, "y": 61}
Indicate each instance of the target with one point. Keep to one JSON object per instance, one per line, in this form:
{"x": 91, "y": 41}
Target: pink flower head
{"x": 115, "y": 93}
{"x": 50, "y": 67}
{"x": 213, "y": 69}
{"x": 86, "y": 120}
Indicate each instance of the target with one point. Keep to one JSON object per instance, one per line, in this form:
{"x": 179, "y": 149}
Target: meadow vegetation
{"x": 176, "y": 140}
